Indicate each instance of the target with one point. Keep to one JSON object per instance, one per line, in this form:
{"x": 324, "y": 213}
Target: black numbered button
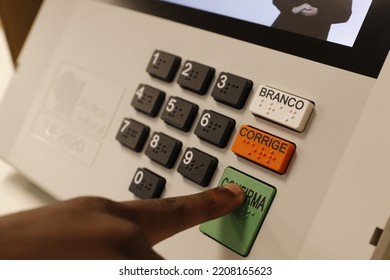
{"x": 179, "y": 113}
{"x": 198, "y": 166}
{"x": 163, "y": 65}
{"x": 147, "y": 184}
{"x": 196, "y": 77}
{"x": 133, "y": 134}
{"x": 148, "y": 100}
{"x": 215, "y": 128}
{"x": 232, "y": 90}
{"x": 163, "y": 149}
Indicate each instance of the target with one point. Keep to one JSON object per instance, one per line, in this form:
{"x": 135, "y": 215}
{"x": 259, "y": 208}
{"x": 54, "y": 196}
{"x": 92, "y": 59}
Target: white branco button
{"x": 282, "y": 108}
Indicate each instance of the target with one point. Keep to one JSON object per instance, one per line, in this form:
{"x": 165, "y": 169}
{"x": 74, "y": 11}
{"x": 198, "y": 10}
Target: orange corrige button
{"x": 263, "y": 148}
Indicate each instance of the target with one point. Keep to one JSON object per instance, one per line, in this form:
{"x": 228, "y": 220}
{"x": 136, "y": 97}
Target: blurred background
{"x": 6, "y": 65}
{"x": 16, "y": 19}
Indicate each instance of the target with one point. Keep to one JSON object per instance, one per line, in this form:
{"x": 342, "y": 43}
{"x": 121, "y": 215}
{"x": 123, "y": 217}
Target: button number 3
{"x": 222, "y": 81}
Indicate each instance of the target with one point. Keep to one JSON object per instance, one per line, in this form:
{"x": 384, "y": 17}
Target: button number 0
{"x": 138, "y": 177}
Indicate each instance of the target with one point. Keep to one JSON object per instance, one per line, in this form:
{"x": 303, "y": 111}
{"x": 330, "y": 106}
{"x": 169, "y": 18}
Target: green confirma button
{"x": 238, "y": 230}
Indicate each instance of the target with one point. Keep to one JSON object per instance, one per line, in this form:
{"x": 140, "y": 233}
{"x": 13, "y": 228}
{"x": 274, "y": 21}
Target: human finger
{"x": 162, "y": 218}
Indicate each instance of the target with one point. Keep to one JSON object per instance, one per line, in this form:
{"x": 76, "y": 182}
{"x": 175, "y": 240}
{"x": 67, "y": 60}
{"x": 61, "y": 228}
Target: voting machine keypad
{"x": 215, "y": 130}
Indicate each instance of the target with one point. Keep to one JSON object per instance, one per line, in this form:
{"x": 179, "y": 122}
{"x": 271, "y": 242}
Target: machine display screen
{"x": 352, "y": 35}
{"x": 337, "y": 21}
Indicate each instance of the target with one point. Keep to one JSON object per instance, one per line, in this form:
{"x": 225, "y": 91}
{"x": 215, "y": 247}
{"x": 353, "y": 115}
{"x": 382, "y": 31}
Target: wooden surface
{"x": 17, "y": 17}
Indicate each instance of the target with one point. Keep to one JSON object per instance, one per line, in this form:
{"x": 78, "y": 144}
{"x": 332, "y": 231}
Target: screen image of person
{"x": 311, "y": 17}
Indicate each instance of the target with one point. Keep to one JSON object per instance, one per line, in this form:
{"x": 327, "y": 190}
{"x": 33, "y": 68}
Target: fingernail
{"x": 236, "y": 189}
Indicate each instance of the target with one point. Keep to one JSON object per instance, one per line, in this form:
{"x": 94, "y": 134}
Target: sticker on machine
{"x": 65, "y": 139}
{"x": 83, "y": 100}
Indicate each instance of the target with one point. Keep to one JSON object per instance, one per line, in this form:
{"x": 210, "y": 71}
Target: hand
{"x": 97, "y": 228}
{"x": 305, "y": 9}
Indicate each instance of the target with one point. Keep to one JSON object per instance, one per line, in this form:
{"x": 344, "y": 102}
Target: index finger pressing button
{"x": 238, "y": 230}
